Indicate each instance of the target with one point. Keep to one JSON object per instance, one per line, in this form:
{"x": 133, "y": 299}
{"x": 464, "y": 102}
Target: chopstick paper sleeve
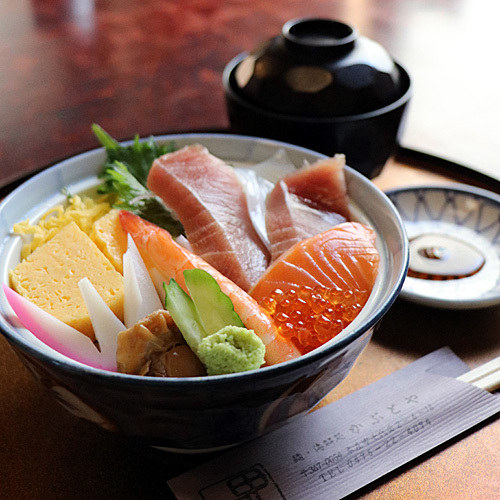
{"x": 334, "y": 451}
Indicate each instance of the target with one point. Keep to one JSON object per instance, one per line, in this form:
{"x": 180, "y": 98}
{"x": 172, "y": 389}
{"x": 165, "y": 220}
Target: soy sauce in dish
{"x": 442, "y": 257}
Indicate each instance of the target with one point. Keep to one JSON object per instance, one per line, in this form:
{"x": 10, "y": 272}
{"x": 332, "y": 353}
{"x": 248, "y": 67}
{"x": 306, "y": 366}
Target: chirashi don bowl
{"x": 200, "y": 413}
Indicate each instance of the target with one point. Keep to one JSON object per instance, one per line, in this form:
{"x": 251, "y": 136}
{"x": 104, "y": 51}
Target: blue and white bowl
{"x": 454, "y": 234}
{"x": 206, "y": 413}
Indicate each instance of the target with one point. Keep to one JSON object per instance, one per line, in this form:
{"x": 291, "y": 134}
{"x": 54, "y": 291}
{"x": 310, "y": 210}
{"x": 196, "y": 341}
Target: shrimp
{"x": 163, "y": 255}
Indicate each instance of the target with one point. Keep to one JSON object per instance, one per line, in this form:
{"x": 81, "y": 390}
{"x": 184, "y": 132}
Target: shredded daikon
{"x": 83, "y": 211}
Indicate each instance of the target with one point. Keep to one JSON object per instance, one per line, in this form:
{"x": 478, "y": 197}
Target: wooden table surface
{"x": 152, "y": 67}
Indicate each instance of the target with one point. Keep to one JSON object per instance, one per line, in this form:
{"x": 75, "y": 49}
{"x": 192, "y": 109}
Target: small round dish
{"x": 454, "y": 235}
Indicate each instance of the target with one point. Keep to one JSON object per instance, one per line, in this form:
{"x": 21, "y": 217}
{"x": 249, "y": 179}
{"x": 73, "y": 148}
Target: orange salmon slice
{"x": 316, "y": 288}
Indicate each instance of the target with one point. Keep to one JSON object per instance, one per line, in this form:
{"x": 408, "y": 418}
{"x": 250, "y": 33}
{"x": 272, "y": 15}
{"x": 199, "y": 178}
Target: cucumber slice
{"x": 183, "y": 311}
{"x": 215, "y": 308}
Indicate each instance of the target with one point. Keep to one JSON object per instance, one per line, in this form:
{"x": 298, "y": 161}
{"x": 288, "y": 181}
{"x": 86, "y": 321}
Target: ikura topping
{"x": 317, "y": 287}
{"x": 311, "y": 316}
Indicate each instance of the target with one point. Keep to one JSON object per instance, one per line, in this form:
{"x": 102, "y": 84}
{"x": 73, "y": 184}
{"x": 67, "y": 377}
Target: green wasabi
{"x": 211, "y": 327}
{"x": 232, "y": 349}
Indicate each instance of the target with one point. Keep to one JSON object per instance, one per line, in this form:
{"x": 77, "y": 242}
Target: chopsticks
{"x": 485, "y": 377}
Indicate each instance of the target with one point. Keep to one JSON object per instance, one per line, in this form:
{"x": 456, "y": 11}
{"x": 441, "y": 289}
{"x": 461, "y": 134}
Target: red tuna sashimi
{"x": 290, "y": 220}
{"x": 323, "y": 184}
{"x": 209, "y": 201}
{"x": 307, "y": 202}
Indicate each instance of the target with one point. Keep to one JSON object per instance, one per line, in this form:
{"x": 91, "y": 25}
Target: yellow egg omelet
{"x": 108, "y": 234}
{"x": 49, "y": 278}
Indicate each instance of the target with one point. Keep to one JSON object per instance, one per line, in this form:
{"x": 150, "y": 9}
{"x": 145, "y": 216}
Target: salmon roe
{"x": 312, "y": 316}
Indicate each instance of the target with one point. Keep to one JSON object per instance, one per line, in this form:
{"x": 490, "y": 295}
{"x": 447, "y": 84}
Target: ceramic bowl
{"x": 454, "y": 234}
{"x": 321, "y": 85}
{"x": 206, "y": 413}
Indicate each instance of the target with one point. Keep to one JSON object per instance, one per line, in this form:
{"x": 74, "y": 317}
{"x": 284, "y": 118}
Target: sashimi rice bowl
{"x": 195, "y": 291}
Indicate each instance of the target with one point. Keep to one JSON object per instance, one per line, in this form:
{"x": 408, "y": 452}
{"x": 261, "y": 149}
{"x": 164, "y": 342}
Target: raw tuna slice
{"x": 209, "y": 201}
{"x": 322, "y": 184}
{"x": 305, "y": 203}
{"x": 290, "y": 220}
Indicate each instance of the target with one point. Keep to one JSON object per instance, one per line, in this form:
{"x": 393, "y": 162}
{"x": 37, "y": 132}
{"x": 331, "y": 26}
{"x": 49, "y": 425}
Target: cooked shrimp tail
{"x": 163, "y": 256}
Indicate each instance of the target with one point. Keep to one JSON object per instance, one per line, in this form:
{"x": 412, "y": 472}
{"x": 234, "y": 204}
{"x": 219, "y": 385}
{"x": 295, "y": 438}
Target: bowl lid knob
{"x": 319, "y": 35}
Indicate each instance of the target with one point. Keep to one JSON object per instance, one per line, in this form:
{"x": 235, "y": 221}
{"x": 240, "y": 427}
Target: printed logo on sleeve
{"x": 253, "y": 483}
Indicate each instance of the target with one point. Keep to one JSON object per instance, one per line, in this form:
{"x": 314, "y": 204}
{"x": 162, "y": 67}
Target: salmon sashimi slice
{"x": 164, "y": 257}
{"x": 208, "y": 199}
{"x": 289, "y": 219}
{"x": 317, "y": 287}
{"x": 322, "y": 185}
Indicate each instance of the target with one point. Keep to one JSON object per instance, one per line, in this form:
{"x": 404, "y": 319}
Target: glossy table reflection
{"x": 154, "y": 67}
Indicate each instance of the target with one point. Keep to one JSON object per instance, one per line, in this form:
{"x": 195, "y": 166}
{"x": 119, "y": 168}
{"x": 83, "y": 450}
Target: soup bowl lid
{"x": 318, "y": 67}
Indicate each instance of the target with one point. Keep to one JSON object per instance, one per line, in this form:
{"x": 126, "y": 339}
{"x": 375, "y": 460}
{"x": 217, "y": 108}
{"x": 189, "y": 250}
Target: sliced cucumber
{"x": 183, "y": 311}
{"x": 214, "y": 307}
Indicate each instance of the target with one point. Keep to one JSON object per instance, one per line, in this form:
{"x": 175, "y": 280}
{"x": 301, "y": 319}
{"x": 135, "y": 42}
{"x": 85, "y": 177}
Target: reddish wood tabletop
{"x": 153, "y": 67}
